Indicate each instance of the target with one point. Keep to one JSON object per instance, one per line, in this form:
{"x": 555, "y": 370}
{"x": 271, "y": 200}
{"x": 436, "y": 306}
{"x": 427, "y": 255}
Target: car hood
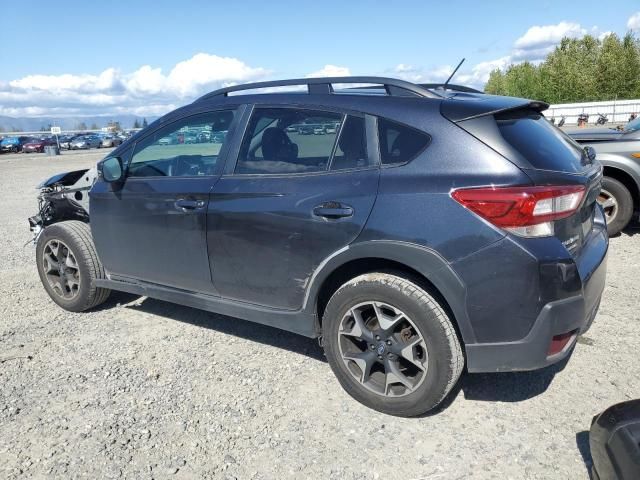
{"x": 594, "y": 134}
{"x": 64, "y": 179}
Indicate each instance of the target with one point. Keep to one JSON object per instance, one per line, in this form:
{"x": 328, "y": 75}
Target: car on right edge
{"x": 618, "y": 150}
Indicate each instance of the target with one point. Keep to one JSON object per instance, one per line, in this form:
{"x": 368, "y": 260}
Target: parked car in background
{"x": 218, "y": 137}
{"x": 431, "y": 233}
{"x": 65, "y": 140}
{"x": 109, "y": 141}
{"x": 37, "y": 145}
{"x": 318, "y": 130}
{"x": 305, "y": 130}
{"x": 331, "y": 128}
{"x": 618, "y": 150}
{"x": 13, "y": 144}
{"x": 204, "y": 136}
{"x": 168, "y": 140}
{"x": 85, "y": 142}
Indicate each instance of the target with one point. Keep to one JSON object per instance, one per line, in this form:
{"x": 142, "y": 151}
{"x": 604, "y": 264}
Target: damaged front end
{"x": 63, "y": 197}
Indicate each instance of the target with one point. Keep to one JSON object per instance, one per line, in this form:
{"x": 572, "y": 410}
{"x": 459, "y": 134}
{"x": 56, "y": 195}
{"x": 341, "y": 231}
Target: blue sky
{"x": 147, "y": 57}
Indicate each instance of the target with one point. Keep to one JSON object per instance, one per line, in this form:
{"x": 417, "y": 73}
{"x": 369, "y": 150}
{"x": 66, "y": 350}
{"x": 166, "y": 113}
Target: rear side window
{"x": 400, "y": 143}
{"x": 288, "y": 140}
{"x": 543, "y": 145}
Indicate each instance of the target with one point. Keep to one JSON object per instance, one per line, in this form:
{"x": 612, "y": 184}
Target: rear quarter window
{"x": 542, "y": 145}
{"x": 400, "y": 143}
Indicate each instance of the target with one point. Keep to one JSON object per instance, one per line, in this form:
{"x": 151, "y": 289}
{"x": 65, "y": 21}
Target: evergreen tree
{"x": 496, "y": 83}
{"x": 577, "y": 70}
{"x": 144, "y": 123}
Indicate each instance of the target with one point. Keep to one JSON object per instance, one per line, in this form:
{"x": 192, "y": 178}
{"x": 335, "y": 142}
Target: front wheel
{"x": 68, "y": 266}
{"x": 617, "y": 203}
{"x": 391, "y": 344}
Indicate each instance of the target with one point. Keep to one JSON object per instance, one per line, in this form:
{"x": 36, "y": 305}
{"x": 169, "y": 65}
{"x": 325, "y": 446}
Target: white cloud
{"x": 330, "y": 71}
{"x": 604, "y": 35}
{"x": 479, "y": 74}
{"x": 146, "y": 91}
{"x": 419, "y": 75}
{"x": 634, "y": 21}
{"x": 543, "y": 36}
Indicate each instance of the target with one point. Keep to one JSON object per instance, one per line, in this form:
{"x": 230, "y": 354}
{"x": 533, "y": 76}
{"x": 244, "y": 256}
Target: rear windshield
{"x": 543, "y": 145}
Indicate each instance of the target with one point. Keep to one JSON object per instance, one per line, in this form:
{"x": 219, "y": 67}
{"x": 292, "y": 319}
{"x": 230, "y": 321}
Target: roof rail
{"x": 449, "y": 86}
{"x": 394, "y": 87}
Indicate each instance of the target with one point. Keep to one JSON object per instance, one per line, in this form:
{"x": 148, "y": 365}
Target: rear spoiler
{"x": 459, "y": 108}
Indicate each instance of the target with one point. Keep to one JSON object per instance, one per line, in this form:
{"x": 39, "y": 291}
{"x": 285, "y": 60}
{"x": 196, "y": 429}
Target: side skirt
{"x": 298, "y": 321}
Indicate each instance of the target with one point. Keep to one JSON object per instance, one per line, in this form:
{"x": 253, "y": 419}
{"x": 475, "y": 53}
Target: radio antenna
{"x": 444, "y": 85}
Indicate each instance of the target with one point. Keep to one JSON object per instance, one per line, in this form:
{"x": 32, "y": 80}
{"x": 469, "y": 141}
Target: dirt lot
{"x": 142, "y": 388}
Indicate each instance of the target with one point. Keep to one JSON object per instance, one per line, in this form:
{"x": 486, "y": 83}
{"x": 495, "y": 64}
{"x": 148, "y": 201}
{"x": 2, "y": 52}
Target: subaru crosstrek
{"x": 435, "y": 227}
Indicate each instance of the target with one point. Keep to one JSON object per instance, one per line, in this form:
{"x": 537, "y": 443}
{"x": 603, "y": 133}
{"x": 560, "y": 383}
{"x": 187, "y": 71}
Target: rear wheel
{"x": 68, "y": 266}
{"x": 617, "y": 203}
{"x": 391, "y": 345}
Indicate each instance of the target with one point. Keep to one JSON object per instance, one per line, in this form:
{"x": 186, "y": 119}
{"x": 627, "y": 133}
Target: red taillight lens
{"x": 525, "y": 211}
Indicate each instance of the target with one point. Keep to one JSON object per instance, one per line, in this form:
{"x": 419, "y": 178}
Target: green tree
{"x": 496, "y": 83}
{"x": 610, "y": 69}
{"x": 94, "y": 126}
{"x": 136, "y": 124}
{"x": 577, "y": 70}
{"x": 631, "y": 77}
{"x": 81, "y": 126}
{"x": 144, "y": 123}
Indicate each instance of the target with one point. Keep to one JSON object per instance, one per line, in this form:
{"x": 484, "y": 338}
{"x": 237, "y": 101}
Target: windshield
{"x": 633, "y": 125}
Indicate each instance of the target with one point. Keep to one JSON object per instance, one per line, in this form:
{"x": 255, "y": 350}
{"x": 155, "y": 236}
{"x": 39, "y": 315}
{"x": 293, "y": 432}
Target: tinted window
{"x": 188, "y": 147}
{"x": 543, "y": 145}
{"x": 351, "y": 151}
{"x": 400, "y": 143}
{"x": 286, "y": 140}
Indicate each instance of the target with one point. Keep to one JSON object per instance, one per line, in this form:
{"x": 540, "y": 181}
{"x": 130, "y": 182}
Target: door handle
{"x": 333, "y": 210}
{"x": 189, "y": 205}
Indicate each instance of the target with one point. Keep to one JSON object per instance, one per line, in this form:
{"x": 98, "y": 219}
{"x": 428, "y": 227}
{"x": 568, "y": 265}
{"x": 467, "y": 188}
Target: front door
{"x": 302, "y": 188}
{"x": 153, "y": 227}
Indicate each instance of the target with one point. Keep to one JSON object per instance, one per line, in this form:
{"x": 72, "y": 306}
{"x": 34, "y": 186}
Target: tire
{"x": 617, "y": 202}
{"x": 438, "y": 351}
{"x": 70, "y": 244}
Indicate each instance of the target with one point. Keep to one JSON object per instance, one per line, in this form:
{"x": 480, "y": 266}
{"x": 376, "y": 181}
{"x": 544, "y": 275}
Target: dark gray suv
{"x": 435, "y": 227}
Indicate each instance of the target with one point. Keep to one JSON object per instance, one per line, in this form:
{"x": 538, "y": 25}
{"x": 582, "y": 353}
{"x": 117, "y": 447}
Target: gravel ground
{"x": 145, "y": 389}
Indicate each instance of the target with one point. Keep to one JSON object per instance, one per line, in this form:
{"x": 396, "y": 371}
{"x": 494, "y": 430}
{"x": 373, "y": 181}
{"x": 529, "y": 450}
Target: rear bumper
{"x": 572, "y": 315}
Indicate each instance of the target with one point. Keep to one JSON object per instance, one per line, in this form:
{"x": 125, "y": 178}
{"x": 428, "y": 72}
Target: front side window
{"x": 187, "y": 147}
{"x": 400, "y": 143}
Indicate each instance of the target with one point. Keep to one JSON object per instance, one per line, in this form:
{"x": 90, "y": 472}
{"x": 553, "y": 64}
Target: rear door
{"x": 296, "y": 194}
{"x": 153, "y": 227}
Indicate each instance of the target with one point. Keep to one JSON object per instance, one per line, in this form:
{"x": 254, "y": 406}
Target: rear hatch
{"x": 516, "y": 129}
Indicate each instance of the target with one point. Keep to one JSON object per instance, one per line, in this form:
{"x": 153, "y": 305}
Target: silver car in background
{"x": 109, "y": 141}
{"x": 618, "y": 149}
{"x": 85, "y": 142}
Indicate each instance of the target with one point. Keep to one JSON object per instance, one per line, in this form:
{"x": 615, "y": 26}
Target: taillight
{"x": 524, "y": 211}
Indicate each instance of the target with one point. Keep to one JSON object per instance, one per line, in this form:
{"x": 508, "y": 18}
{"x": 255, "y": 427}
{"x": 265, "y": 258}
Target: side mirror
{"x": 112, "y": 170}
